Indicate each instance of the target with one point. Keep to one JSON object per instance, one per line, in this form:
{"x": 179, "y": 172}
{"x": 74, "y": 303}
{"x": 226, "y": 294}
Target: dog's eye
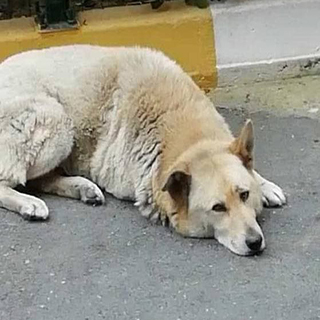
{"x": 220, "y": 207}
{"x": 244, "y": 196}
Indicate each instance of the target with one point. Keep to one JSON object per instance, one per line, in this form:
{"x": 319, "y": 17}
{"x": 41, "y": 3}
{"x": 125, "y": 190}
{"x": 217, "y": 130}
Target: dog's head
{"x": 215, "y": 194}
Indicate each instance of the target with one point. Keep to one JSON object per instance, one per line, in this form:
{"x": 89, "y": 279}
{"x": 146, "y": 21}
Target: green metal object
{"x": 198, "y": 3}
{"x": 55, "y": 15}
{"x": 157, "y": 4}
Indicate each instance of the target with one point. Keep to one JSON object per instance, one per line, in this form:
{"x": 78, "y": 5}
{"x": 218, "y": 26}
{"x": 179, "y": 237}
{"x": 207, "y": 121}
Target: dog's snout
{"x": 254, "y": 241}
{"x": 254, "y": 244}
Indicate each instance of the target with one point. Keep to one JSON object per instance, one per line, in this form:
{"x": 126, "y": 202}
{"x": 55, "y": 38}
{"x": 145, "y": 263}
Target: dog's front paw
{"x": 91, "y": 194}
{"x": 272, "y": 195}
{"x": 34, "y": 209}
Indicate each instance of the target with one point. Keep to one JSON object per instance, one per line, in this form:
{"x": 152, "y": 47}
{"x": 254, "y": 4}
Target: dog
{"x": 78, "y": 119}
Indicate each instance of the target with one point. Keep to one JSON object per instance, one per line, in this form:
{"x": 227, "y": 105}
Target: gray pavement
{"x": 110, "y": 263}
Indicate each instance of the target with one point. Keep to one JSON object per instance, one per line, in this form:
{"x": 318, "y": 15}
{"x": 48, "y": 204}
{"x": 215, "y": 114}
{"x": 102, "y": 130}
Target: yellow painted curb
{"x": 183, "y": 32}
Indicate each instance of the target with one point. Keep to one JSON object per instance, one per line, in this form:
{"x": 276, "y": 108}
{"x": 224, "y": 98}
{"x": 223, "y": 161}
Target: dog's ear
{"x": 178, "y": 184}
{"x": 244, "y": 144}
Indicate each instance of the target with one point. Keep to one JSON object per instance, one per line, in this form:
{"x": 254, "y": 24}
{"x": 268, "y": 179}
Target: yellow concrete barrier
{"x": 183, "y": 32}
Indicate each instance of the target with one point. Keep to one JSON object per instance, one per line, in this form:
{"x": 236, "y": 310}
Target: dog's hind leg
{"x": 70, "y": 187}
{"x": 272, "y": 195}
{"x": 35, "y": 137}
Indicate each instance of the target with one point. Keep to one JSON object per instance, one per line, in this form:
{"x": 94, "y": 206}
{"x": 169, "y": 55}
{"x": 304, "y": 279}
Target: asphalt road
{"x": 110, "y": 263}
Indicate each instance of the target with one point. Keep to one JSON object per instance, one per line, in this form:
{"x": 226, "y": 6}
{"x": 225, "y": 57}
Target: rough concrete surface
{"x": 110, "y": 263}
{"x": 258, "y": 30}
{"x": 263, "y": 40}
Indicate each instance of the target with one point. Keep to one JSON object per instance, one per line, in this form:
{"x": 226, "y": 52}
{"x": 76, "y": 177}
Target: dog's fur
{"x": 130, "y": 121}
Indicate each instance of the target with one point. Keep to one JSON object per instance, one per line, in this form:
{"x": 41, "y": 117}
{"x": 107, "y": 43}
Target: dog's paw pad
{"x": 272, "y": 195}
{"x": 92, "y": 195}
{"x": 35, "y": 211}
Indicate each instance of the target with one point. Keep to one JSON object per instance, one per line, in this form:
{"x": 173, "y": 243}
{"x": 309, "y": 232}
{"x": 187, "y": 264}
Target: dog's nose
{"x": 254, "y": 243}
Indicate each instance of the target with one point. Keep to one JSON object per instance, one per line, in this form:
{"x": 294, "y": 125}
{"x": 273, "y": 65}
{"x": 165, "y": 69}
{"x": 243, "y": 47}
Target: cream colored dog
{"x": 130, "y": 121}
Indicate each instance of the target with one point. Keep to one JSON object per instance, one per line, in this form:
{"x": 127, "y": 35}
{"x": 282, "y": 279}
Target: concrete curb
{"x": 246, "y": 73}
{"x": 184, "y": 33}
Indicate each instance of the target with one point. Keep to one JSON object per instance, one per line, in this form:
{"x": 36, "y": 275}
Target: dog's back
{"x": 86, "y": 81}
